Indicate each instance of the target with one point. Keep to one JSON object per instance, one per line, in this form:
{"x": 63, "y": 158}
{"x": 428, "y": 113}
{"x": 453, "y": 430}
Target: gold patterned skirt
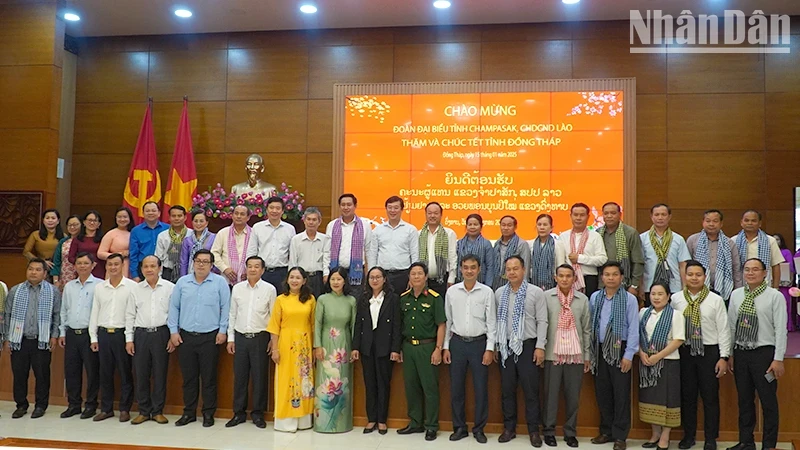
{"x": 661, "y": 404}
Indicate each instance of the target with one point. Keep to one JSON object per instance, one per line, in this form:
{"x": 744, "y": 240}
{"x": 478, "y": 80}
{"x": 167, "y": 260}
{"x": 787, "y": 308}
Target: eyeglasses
{"x": 202, "y": 261}
{"x": 378, "y": 278}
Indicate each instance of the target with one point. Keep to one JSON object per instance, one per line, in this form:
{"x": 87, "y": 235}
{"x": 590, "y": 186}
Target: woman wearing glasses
{"x": 88, "y": 240}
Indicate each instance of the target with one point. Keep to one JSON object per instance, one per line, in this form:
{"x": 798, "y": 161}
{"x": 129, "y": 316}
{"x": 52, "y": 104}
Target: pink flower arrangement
{"x": 794, "y": 292}
{"x": 220, "y": 203}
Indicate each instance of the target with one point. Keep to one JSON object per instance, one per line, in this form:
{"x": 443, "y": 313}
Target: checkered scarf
{"x": 623, "y": 257}
{"x": 517, "y": 322}
{"x": 568, "y": 347}
{"x": 20, "y": 309}
{"x": 511, "y": 250}
{"x": 356, "y": 271}
{"x": 662, "y": 273}
{"x": 482, "y": 248}
{"x": 542, "y": 261}
{"x": 763, "y": 248}
{"x": 649, "y": 375}
{"x": 174, "y": 252}
{"x": 612, "y": 343}
{"x": 578, "y": 248}
{"x": 237, "y": 261}
{"x": 440, "y": 245}
{"x": 694, "y": 328}
{"x": 723, "y": 272}
{"x": 747, "y": 320}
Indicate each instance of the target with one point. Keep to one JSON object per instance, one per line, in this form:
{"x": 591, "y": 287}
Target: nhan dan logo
{"x": 736, "y": 32}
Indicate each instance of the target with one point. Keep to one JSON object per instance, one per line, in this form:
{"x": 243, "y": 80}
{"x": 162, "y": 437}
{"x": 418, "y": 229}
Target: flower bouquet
{"x": 220, "y": 204}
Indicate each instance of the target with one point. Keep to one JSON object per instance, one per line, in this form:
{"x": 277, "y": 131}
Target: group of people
{"x": 555, "y": 307}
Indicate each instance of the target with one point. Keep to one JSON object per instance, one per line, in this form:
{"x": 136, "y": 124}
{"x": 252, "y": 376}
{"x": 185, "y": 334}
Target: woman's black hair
{"x": 98, "y": 235}
{"x": 59, "y": 232}
{"x": 76, "y": 217}
{"x": 343, "y": 273}
{"x": 664, "y": 285}
{"x": 366, "y": 292}
{"x": 305, "y": 291}
{"x": 130, "y": 217}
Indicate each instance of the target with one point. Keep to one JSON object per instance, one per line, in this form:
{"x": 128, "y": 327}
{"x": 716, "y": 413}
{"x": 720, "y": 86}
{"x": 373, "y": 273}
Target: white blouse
{"x": 678, "y": 330}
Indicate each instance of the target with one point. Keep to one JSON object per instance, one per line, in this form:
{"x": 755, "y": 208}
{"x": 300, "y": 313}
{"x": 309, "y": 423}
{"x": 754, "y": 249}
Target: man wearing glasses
{"x": 198, "y": 323}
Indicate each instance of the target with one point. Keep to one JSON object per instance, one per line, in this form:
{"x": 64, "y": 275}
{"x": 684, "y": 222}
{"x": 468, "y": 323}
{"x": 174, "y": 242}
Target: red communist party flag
{"x": 144, "y": 183}
{"x": 182, "y": 180}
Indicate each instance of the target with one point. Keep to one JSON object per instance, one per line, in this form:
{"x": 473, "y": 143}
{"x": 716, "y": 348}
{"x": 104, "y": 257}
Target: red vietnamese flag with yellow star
{"x": 144, "y": 182}
{"x": 182, "y": 180}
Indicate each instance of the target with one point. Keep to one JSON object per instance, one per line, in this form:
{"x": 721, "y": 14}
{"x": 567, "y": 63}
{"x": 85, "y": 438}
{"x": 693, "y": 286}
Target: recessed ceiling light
{"x": 570, "y": 2}
{"x": 308, "y": 9}
{"x": 72, "y": 17}
{"x": 183, "y": 13}
{"x": 441, "y": 4}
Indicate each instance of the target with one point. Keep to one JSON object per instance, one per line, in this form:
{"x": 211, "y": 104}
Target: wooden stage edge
{"x": 40, "y": 443}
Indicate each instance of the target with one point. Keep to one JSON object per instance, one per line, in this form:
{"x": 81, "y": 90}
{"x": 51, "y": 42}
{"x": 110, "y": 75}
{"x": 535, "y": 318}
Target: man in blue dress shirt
{"x": 144, "y": 236}
{"x": 198, "y": 323}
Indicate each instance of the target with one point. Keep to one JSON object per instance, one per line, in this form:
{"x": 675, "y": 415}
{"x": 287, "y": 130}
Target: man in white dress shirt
{"x": 396, "y": 245}
{"x": 76, "y": 309}
{"x": 170, "y": 242}
{"x": 351, "y": 242}
{"x": 107, "y": 332}
{"x": 582, "y": 249}
{"x": 270, "y": 241}
{"x": 147, "y": 340}
{"x": 469, "y": 344}
{"x": 704, "y": 354}
{"x": 437, "y": 249}
{"x": 251, "y": 305}
{"x": 229, "y": 257}
{"x": 311, "y": 250}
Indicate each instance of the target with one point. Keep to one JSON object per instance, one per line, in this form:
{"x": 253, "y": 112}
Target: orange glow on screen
{"x": 495, "y": 154}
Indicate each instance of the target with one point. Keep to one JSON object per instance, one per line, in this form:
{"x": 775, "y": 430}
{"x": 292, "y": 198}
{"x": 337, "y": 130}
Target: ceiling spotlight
{"x": 183, "y": 13}
{"x": 570, "y": 2}
{"x": 72, "y": 17}
{"x": 308, "y": 9}
{"x": 441, "y": 4}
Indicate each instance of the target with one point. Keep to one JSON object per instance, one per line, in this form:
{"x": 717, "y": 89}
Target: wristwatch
{"x": 725, "y": 358}
{"x": 636, "y": 288}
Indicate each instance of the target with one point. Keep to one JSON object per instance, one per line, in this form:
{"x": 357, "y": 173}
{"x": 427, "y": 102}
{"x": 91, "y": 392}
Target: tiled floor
{"x": 244, "y": 436}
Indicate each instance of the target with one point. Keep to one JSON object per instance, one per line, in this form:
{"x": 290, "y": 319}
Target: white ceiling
{"x": 136, "y": 17}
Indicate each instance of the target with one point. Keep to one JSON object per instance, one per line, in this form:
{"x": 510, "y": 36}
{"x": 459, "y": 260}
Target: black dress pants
{"x": 377, "y": 380}
{"x": 750, "y": 366}
{"x": 525, "y": 372}
{"x": 399, "y": 280}
{"x": 276, "y": 277}
{"x": 315, "y": 283}
{"x": 436, "y": 286}
{"x": 198, "y": 356}
{"x": 463, "y": 356}
{"x": 590, "y": 282}
{"x": 113, "y": 356}
{"x": 613, "y": 394}
{"x": 151, "y": 360}
{"x": 22, "y": 361}
{"x": 698, "y": 376}
{"x": 251, "y": 358}
{"x": 78, "y": 355}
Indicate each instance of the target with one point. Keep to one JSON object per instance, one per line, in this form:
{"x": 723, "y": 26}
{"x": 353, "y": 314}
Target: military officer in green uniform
{"x": 423, "y": 337}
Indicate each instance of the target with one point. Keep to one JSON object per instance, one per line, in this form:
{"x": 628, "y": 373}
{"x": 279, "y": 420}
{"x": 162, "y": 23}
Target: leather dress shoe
{"x": 141, "y": 418}
{"x": 259, "y": 421}
{"x": 430, "y": 435}
{"x": 571, "y": 441}
{"x": 459, "y": 434}
{"x": 37, "y": 412}
{"x": 383, "y": 430}
{"x": 19, "y": 412}
{"x": 409, "y": 430}
{"x": 620, "y": 445}
{"x": 236, "y": 420}
{"x": 72, "y": 411}
{"x": 368, "y": 430}
{"x": 160, "y": 419}
{"x": 103, "y": 416}
{"x": 686, "y": 443}
{"x": 124, "y": 416}
{"x": 741, "y": 446}
{"x": 88, "y": 413}
{"x": 506, "y": 436}
{"x": 536, "y": 441}
{"x": 710, "y": 445}
{"x": 550, "y": 441}
{"x": 648, "y": 444}
{"x": 480, "y": 437}
{"x": 208, "y": 421}
{"x": 601, "y": 439}
{"x": 185, "y": 420}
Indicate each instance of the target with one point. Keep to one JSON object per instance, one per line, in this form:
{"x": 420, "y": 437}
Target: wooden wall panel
{"x": 320, "y": 126}
{"x": 716, "y": 122}
{"x": 527, "y": 32}
{"x": 782, "y": 121}
{"x": 651, "y": 178}
{"x": 27, "y": 33}
{"x": 282, "y": 126}
{"x": 206, "y": 119}
{"x": 781, "y": 74}
{"x": 318, "y": 174}
{"x": 782, "y": 178}
{"x": 611, "y": 59}
{"x": 437, "y": 62}
{"x": 704, "y": 73}
{"x": 99, "y": 178}
{"x": 700, "y": 179}
{"x": 348, "y": 64}
{"x": 108, "y": 127}
{"x": 199, "y": 74}
{"x": 268, "y": 74}
{"x": 422, "y": 35}
{"x": 26, "y": 96}
{"x": 534, "y": 60}
{"x": 651, "y": 123}
{"x": 112, "y": 77}
{"x": 25, "y": 154}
